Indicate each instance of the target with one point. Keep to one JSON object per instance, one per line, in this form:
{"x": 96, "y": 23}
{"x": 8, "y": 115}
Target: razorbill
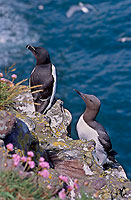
{"x": 43, "y": 74}
{"x": 88, "y": 128}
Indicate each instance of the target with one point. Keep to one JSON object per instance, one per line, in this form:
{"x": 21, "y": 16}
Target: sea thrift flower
{"x": 14, "y": 76}
{"x": 20, "y": 172}
{"x": 76, "y": 181}
{"x": 44, "y": 165}
{"x": 41, "y": 159}
{"x": 23, "y": 159}
{"x": 30, "y": 153}
{"x": 49, "y": 187}
{"x": 63, "y": 178}
{"x": 31, "y": 164}
{"x": 5, "y": 164}
{"x": 62, "y": 194}
{"x": 16, "y": 159}
{"x": 44, "y": 173}
{"x": 76, "y": 186}
{"x": 2, "y": 80}
{"x": 69, "y": 187}
{"x": 28, "y": 159}
{"x": 16, "y": 163}
{"x": 9, "y": 147}
{"x": 1, "y": 75}
{"x": 86, "y": 183}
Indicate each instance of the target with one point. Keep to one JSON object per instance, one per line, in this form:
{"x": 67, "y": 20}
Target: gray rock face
{"x": 19, "y": 136}
{"x": 59, "y": 118}
{"x": 99, "y": 183}
{"x": 24, "y": 104}
{"x": 73, "y": 158}
{"x": 7, "y": 121}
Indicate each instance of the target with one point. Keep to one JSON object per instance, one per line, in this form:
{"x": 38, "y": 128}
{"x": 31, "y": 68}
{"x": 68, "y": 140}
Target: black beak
{"x": 80, "y": 93}
{"x": 31, "y": 48}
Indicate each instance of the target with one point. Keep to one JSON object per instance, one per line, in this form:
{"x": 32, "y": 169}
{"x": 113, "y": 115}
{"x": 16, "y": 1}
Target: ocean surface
{"x": 87, "y": 52}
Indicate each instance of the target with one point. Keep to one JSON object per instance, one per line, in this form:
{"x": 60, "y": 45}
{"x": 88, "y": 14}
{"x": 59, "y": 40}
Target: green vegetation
{"x": 13, "y": 186}
{"x": 9, "y": 91}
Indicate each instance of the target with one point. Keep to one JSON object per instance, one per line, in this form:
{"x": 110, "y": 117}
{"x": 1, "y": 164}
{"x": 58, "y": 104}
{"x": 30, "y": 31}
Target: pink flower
{"x": 16, "y": 159}
{"x": 2, "y": 80}
{"x": 31, "y": 164}
{"x": 9, "y": 147}
{"x": 30, "y": 153}
{"x": 41, "y": 159}
{"x": 14, "y": 76}
{"x": 86, "y": 183}
{"x": 44, "y": 173}
{"x": 44, "y": 165}
{"x": 63, "y": 178}
{"x": 28, "y": 159}
{"x": 49, "y": 187}
{"x": 76, "y": 186}
{"x": 69, "y": 187}
{"x": 20, "y": 172}
{"x": 23, "y": 159}
{"x": 1, "y": 74}
{"x": 62, "y": 194}
{"x": 76, "y": 181}
{"x": 16, "y": 163}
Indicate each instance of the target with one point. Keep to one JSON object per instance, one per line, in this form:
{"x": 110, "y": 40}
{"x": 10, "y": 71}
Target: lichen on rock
{"x": 72, "y": 158}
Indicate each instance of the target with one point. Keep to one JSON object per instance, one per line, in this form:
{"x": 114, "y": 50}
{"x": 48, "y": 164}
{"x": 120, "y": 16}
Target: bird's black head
{"x": 41, "y": 54}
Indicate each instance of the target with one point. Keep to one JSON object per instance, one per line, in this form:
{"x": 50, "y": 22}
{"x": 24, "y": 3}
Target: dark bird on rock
{"x": 43, "y": 74}
{"x": 88, "y": 128}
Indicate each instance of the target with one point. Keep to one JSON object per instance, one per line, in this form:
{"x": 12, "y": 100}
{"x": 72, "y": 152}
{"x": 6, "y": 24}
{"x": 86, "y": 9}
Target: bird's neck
{"x": 43, "y": 65}
{"x": 89, "y": 115}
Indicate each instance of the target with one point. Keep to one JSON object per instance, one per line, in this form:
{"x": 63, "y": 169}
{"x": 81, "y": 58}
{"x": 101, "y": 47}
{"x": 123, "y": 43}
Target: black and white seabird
{"x": 43, "y": 74}
{"x": 88, "y": 128}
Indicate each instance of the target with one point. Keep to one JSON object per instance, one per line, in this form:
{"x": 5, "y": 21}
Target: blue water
{"x": 86, "y": 52}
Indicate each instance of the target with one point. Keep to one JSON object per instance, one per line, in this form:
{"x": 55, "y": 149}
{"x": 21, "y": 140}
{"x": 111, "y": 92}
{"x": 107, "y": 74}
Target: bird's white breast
{"x": 85, "y": 131}
{"x": 54, "y": 88}
{"x": 88, "y": 133}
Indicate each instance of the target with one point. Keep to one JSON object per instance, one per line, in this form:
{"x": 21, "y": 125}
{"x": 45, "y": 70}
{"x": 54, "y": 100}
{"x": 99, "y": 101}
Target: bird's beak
{"x": 82, "y": 95}
{"x": 31, "y": 48}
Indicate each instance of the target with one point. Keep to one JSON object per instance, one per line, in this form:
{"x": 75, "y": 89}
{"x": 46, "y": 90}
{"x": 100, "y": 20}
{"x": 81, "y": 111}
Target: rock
{"x": 7, "y": 121}
{"x": 60, "y": 118}
{"x": 20, "y": 136}
{"x": 24, "y": 103}
{"x": 2, "y": 143}
{"x": 73, "y": 158}
{"x": 100, "y": 183}
{"x": 23, "y": 140}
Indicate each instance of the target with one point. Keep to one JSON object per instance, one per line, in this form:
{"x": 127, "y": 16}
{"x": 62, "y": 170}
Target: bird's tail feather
{"x": 112, "y": 153}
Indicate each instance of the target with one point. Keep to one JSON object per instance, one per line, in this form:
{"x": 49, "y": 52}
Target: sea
{"x": 89, "y": 53}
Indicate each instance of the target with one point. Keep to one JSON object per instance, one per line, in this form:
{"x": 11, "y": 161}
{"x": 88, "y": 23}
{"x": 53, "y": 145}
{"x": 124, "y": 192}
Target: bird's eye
{"x": 91, "y": 101}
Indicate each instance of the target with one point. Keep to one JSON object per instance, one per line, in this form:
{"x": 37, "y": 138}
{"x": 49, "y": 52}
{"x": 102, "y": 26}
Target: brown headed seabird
{"x": 88, "y": 128}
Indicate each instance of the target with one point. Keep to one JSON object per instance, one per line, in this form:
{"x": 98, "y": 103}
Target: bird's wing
{"x": 72, "y": 10}
{"x": 89, "y": 6}
{"x": 46, "y": 87}
{"x": 103, "y": 136}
